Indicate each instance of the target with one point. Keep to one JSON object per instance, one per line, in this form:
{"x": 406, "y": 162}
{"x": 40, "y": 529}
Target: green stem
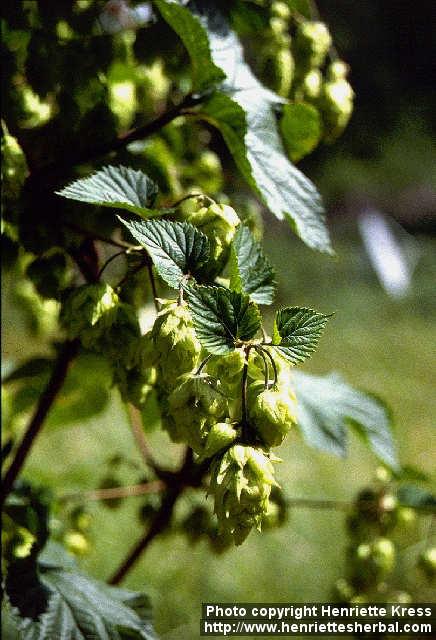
{"x": 109, "y": 260}
{"x": 265, "y": 369}
{"x": 203, "y": 364}
{"x": 244, "y": 383}
{"x": 273, "y": 364}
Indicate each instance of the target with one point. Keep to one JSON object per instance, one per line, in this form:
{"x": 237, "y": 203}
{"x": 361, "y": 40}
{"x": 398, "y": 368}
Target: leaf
{"x": 301, "y": 130}
{"x": 29, "y": 369}
{"x": 176, "y": 248}
{"x": 205, "y": 73}
{"x": 73, "y": 605}
{"x": 222, "y": 317}
{"x": 297, "y": 331}
{"x": 251, "y": 271}
{"x": 118, "y": 187}
{"x": 244, "y": 111}
{"x": 326, "y": 405}
{"x": 411, "y": 495}
{"x": 84, "y": 393}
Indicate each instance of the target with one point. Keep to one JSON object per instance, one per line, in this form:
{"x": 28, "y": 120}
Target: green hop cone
{"x": 228, "y": 370}
{"x": 337, "y": 70}
{"x": 311, "y": 85}
{"x": 279, "y": 71}
{"x": 136, "y": 383}
{"x": 76, "y": 543}
{"x": 88, "y": 311}
{"x": 281, "y": 10}
{"x": 220, "y": 436}
{"x": 374, "y": 560}
{"x": 272, "y": 412}
{"x": 192, "y": 408}
{"x": 312, "y": 42}
{"x": 427, "y": 562}
{"x": 241, "y": 484}
{"x": 336, "y": 104}
{"x": 177, "y": 349}
{"x": 218, "y": 222}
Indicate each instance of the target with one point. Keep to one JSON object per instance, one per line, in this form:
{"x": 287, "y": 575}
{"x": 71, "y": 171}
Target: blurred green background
{"x": 379, "y": 344}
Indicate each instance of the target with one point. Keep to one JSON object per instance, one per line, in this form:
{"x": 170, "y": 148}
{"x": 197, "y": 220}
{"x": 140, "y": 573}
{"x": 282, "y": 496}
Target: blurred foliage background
{"x": 385, "y": 345}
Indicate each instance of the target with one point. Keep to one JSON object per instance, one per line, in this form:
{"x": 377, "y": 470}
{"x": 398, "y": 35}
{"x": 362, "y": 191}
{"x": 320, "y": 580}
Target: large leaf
{"x": 222, "y": 317}
{"x": 244, "y": 111}
{"x": 327, "y": 405}
{"x": 119, "y": 187}
{"x": 251, "y": 271}
{"x": 74, "y": 607}
{"x": 205, "y": 73}
{"x": 297, "y": 331}
{"x": 177, "y": 248}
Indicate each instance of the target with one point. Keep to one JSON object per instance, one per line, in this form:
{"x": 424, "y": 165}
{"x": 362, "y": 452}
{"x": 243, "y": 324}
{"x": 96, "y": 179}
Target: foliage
{"x": 207, "y": 370}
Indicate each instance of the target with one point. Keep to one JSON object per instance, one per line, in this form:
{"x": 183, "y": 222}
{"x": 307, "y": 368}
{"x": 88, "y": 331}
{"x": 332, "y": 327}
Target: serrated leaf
{"x": 297, "y": 331}
{"x": 244, "y": 111}
{"x": 222, "y": 317}
{"x": 301, "y": 129}
{"x": 327, "y": 405}
{"x": 205, "y": 73}
{"x": 119, "y": 187}
{"x": 251, "y": 271}
{"x": 77, "y": 607}
{"x": 177, "y": 249}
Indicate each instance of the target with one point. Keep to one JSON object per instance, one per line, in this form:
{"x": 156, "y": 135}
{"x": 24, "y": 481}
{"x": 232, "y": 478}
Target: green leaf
{"x": 222, "y": 317}
{"x": 301, "y": 129}
{"x": 410, "y": 495}
{"x": 244, "y": 111}
{"x": 117, "y": 187}
{"x": 86, "y": 390}
{"x": 71, "y": 605}
{"x": 251, "y": 271}
{"x": 176, "y": 248}
{"x": 205, "y": 73}
{"x": 297, "y": 331}
{"x": 326, "y": 405}
{"x": 31, "y": 368}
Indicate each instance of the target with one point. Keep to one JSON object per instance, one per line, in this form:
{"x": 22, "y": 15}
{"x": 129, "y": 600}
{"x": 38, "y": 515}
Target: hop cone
{"x": 241, "y": 485}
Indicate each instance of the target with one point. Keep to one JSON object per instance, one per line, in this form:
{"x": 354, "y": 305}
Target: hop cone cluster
{"x": 241, "y": 485}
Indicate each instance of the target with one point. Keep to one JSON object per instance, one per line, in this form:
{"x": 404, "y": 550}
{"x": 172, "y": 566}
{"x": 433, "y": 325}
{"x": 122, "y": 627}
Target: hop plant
{"x": 336, "y": 103}
{"x": 427, "y": 562}
{"x": 312, "y": 43}
{"x": 88, "y": 311}
{"x": 241, "y": 484}
{"x": 272, "y": 413}
{"x": 192, "y": 408}
{"x": 177, "y": 349}
{"x": 373, "y": 561}
{"x": 227, "y": 369}
{"x": 218, "y": 222}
